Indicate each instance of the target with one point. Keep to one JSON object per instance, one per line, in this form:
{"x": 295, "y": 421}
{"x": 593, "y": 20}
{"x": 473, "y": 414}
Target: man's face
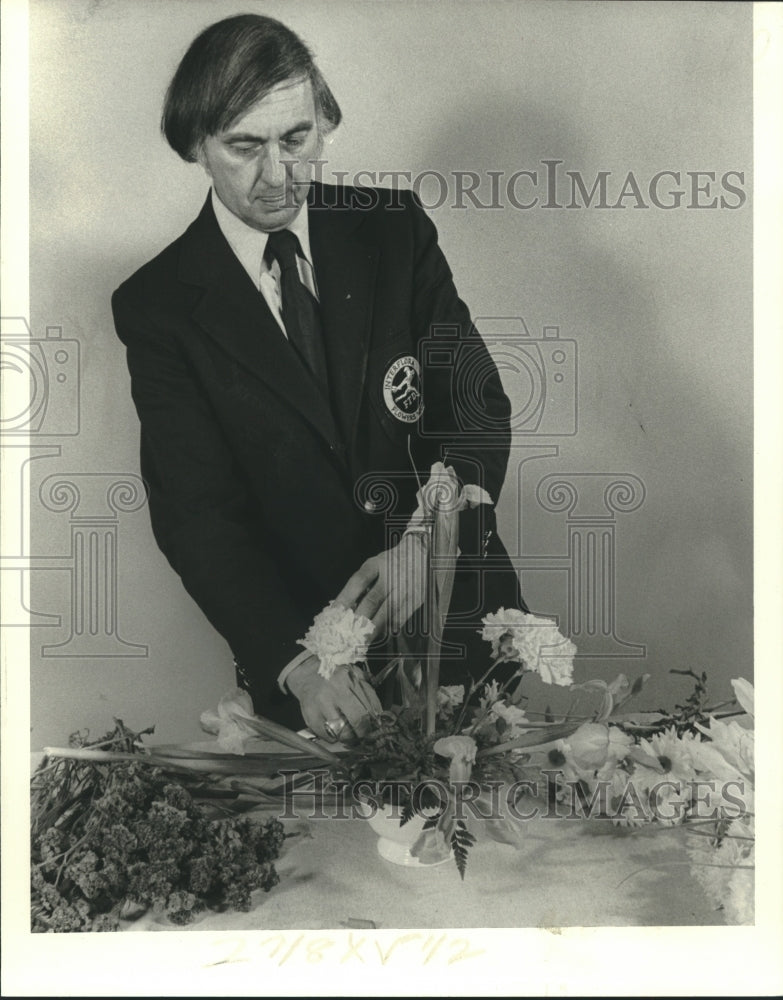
{"x": 260, "y": 164}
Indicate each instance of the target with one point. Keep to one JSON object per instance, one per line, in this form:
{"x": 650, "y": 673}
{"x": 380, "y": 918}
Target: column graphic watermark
{"x": 93, "y": 502}
{"x": 42, "y": 413}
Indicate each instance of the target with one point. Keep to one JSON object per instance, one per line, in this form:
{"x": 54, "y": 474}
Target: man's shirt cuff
{"x": 289, "y": 669}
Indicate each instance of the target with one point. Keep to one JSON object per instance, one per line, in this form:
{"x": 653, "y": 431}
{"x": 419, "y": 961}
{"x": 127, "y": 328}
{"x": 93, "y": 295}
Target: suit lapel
{"x": 236, "y": 315}
{"x": 345, "y": 267}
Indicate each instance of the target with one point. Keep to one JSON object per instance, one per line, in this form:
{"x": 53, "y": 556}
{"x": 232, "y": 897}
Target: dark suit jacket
{"x": 262, "y": 497}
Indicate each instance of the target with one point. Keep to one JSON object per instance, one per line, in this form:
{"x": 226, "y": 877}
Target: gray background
{"x": 658, "y": 301}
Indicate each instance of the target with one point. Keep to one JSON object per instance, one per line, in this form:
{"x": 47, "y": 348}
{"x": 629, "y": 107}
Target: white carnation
{"x": 338, "y": 637}
{"x": 533, "y": 641}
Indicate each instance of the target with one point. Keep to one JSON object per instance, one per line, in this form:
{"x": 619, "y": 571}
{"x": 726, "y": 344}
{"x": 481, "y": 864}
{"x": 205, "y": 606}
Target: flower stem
{"x": 474, "y": 686}
{"x": 532, "y": 740}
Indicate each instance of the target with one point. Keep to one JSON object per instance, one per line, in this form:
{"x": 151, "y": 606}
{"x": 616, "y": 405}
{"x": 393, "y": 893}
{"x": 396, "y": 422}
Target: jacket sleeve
{"x": 467, "y": 412}
{"x": 201, "y": 514}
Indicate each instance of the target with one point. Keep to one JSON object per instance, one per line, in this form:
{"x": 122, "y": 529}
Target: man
{"x": 282, "y": 354}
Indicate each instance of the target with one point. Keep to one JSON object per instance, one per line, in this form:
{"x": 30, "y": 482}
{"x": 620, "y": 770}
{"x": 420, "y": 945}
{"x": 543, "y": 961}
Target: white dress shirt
{"x": 249, "y": 245}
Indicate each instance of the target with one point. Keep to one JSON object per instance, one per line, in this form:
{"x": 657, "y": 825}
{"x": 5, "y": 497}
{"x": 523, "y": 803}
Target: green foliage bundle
{"x": 394, "y": 750}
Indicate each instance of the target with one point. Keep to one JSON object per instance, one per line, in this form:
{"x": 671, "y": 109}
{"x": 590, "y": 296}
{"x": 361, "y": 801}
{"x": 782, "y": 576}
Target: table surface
{"x": 567, "y": 874}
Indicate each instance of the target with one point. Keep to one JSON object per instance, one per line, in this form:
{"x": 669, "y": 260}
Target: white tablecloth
{"x": 568, "y": 873}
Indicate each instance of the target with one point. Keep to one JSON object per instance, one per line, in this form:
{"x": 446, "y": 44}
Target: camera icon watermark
{"x": 41, "y": 381}
{"x": 538, "y": 374}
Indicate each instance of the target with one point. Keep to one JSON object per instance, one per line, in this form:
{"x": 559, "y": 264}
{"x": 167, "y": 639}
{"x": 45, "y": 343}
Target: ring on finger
{"x": 334, "y": 727}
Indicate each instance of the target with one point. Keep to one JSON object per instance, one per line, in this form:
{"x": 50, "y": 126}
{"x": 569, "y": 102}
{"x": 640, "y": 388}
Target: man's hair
{"x": 228, "y": 68}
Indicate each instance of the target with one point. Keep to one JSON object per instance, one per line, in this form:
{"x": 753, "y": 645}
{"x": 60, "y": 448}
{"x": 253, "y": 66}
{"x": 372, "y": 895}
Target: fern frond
{"x": 461, "y": 842}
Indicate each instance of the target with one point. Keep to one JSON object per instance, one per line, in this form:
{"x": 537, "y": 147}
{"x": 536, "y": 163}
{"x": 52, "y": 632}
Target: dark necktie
{"x": 300, "y": 309}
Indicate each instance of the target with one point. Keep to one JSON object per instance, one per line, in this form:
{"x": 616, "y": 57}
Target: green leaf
{"x": 380, "y": 677}
{"x": 538, "y": 738}
{"x": 516, "y": 695}
{"x": 461, "y": 842}
{"x": 282, "y": 734}
{"x": 638, "y": 755}
{"x": 407, "y": 813}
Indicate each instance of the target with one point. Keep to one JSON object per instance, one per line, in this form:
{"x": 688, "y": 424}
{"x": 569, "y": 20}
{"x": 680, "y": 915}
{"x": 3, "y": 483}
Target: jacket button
{"x": 370, "y": 507}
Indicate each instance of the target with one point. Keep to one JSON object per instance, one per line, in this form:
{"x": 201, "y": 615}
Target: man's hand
{"x": 387, "y": 589}
{"x": 345, "y": 702}
{"x": 390, "y": 587}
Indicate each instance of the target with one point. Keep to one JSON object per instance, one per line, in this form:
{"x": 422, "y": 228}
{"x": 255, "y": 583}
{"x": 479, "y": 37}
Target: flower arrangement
{"x": 692, "y": 769}
{"x": 448, "y": 735}
{"x": 442, "y": 737}
{"x": 442, "y": 748}
{"x": 685, "y": 769}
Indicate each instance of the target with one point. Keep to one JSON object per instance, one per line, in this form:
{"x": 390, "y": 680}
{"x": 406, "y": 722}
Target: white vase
{"x": 395, "y": 841}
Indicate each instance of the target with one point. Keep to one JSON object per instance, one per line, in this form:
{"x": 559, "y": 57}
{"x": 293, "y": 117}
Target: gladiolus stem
{"x": 274, "y": 731}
